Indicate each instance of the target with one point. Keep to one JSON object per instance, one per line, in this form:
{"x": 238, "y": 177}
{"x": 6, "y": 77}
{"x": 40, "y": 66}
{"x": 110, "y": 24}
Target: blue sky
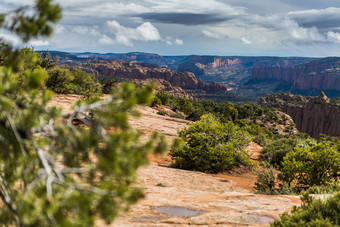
{"x": 208, "y": 27}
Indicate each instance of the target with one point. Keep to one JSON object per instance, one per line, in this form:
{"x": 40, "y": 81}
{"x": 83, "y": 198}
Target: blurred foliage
{"x": 62, "y": 80}
{"x": 53, "y": 173}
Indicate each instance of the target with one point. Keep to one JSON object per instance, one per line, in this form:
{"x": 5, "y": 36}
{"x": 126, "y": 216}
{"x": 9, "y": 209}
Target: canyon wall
{"x": 319, "y": 75}
{"x": 313, "y": 115}
{"x": 145, "y": 71}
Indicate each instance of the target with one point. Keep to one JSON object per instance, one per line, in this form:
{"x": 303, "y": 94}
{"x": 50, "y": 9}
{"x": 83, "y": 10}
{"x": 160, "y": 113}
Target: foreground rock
{"x": 219, "y": 201}
{"x": 175, "y": 197}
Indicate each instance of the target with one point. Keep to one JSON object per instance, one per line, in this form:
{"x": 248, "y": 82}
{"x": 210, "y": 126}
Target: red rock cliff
{"x": 323, "y": 74}
{"x": 134, "y": 70}
{"x": 311, "y": 115}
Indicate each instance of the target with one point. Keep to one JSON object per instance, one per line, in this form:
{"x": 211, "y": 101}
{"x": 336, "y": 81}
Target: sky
{"x": 204, "y": 27}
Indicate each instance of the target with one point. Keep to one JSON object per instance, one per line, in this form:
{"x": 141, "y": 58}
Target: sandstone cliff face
{"x": 320, "y": 75}
{"x": 134, "y": 70}
{"x": 311, "y": 115}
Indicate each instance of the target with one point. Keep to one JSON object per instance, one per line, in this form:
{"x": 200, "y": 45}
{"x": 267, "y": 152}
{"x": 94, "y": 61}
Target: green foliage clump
{"x": 310, "y": 167}
{"x": 317, "y": 165}
{"x": 177, "y": 115}
{"x": 313, "y": 212}
{"x": 274, "y": 152}
{"x": 161, "y": 113}
{"x": 209, "y": 145}
{"x": 64, "y": 81}
{"x": 266, "y": 180}
{"x": 109, "y": 83}
{"x": 156, "y": 102}
{"x": 163, "y": 97}
{"x": 50, "y": 168}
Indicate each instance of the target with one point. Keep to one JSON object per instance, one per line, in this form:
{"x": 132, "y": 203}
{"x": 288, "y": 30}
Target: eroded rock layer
{"x": 313, "y": 115}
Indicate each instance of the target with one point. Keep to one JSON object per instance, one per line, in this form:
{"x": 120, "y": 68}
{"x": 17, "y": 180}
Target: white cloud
{"x": 126, "y": 35}
{"x": 105, "y": 40}
{"x": 59, "y": 29}
{"x": 179, "y": 42}
{"x": 246, "y": 40}
{"x": 212, "y": 34}
{"x": 12, "y": 39}
{"x": 86, "y": 30}
{"x": 148, "y": 32}
{"x": 333, "y": 37}
{"x": 39, "y": 43}
{"x": 195, "y": 6}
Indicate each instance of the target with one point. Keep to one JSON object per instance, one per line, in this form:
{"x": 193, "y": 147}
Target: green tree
{"x": 53, "y": 173}
{"x": 209, "y": 145}
{"x": 317, "y": 165}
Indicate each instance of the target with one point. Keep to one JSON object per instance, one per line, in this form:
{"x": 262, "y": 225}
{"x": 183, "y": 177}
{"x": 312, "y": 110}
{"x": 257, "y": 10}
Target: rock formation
{"x": 313, "y": 115}
{"x": 318, "y": 75}
{"x": 143, "y": 71}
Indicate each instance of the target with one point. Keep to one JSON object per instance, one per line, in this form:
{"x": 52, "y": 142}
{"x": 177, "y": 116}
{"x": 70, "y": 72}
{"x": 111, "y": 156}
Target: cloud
{"x": 126, "y": 35}
{"x": 195, "y": 7}
{"x": 105, "y": 40}
{"x": 38, "y": 43}
{"x": 183, "y": 18}
{"x": 333, "y": 37}
{"x": 246, "y": 40}
{"x": 179, "y": 42}
{"x": 190, "y": 12}
{"x": 321, "y": 18}
{"x": 11, "y": 39}
{"x": 59, "y": 29}
{"x": 212, "y": 34}
{"x": 86, "y": 30}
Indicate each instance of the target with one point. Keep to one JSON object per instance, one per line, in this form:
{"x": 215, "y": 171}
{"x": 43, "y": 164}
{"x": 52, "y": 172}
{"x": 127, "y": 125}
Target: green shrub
{"x": 184, "y": 105}
{"x": 266, "y": 180}
{"x": 209, "y": 145}
{"x": 85, "y": 83}
{"x": 109, "y": 83}
{"x": 324, "y": 189}
{"x": 275, "y": 151}
{"x": 156, "y": 101}
{"x": 163, "y": 97}
{"x": 161, "y": 113}
{"x": 317, "y": 165}
{"x": 64, "y": 81}
{"x": 60, "y": 81}
{"x": 177, "y": 115}
{"x": 313, "y": 212}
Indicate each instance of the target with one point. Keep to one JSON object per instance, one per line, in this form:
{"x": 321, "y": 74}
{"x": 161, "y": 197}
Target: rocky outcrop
{"x": 313, "y": 115}
{"x": 322, "y": 74}
{"x": 141, "y": 71}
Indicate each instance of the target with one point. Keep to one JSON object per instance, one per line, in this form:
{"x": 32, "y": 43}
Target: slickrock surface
{"x": 192, "y": 198}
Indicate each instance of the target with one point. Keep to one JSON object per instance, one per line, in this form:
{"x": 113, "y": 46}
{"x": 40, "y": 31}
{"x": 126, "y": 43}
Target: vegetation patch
{"x": 210, "y": 145}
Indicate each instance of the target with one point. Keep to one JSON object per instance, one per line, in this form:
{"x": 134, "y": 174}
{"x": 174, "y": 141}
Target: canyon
{"x": 225, "y": 199}
{"x": 307, "y": 79}
{"x": 177, "y": 83}
{"x": 312, "y": 115}
{"x": 232, "y": 71}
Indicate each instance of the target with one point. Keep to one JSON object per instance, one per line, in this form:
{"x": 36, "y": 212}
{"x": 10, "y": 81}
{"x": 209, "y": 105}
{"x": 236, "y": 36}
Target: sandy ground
{"x": 175, "y": 197}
